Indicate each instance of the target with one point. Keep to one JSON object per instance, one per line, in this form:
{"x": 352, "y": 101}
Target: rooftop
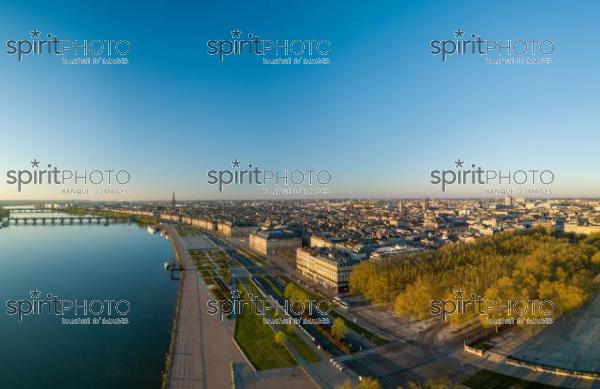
{"x": 276, "y": 234}
{"x": 341, "y": 257}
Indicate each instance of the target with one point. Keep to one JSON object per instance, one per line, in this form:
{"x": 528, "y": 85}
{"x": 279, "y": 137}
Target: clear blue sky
{"x": 381, "y": 116}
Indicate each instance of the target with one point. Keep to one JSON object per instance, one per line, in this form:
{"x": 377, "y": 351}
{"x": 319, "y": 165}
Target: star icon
{"x": 459, "y": 294}
{"x": 236, "y": 33}
{"x": 235, "y": 294}
{"x": 35, "y": 33}
{"x": 35, "y": 163}
{"x": 35, "y": 293}
{"x": 459, "y": 33}
{"x": 459, "y": 163}
{"x": 235, "y": 163}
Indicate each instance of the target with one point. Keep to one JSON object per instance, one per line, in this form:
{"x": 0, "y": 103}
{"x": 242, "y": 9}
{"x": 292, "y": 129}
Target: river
{"x": 119, "y": 262}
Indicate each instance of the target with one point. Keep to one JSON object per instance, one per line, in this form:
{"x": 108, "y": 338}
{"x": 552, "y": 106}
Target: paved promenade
{"x": 204, "y": 346}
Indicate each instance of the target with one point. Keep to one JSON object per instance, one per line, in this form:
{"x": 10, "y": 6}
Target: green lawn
{"x": 272, "y": 285}
{"x": 350, "y": 324}
{"x": 218, "y": 294}
{"x": 186, "y": 230}
{"x": 258, "y": 260}
{"x": 200, "y": 260}
{"x": 204, "y": 266}
{"x": 256, "y": 340}
{"x": 219, "y": 255}
{"x": 296, "y": 342}
{"x": 208, "y": 273}
{"x": 488, "y": 379}
{"x": 373, "y": 338}
{"x": 307, "y": 353}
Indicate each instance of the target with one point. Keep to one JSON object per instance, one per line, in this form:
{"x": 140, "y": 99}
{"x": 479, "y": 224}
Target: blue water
{"x": 117, "y": 262}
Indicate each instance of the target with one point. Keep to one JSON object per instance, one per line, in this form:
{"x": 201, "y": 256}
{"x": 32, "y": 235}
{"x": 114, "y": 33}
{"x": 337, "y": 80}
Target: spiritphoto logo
{"x": 294, "y": 311}
{"x": 477, "y": 175}
{"x": 70, "y": 311}
{"x": 283, "y": 181}
{"x": 511, "y": 51}
{"x": 496, "y": 311}
{"x": 272, "y": 51}
{"x": 71, "y": 51}
{"x": 80, "y": 182}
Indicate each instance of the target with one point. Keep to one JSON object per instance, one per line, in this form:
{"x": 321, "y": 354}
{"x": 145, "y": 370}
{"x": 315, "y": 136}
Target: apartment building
{"x": 237, "y": 229}
{"x": 274, "y": 241}
{"x": 325, "y": 267}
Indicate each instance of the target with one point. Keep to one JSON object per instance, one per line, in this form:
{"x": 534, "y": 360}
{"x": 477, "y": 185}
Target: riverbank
{"x": 166, "y": 376}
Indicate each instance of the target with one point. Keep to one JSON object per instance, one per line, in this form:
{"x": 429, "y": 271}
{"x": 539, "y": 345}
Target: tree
{"x": 346, "y": 385}
{"x": 441, "y": 383}
{"x": 289, "y": 328}
{"x": 290, "y": 291}
{"x": 366, "y": 383}
{"x": 339, "y": 329}
{"x": 280, "y": 337}
{"x": 532, "y": 264}
{"x": 369, "y": 383}
{"x": 414, "y": 301}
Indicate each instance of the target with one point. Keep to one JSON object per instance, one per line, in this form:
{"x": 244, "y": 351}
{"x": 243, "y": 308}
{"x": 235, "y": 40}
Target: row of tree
{"x": 339, "y": 330}
{"x": 535, "y": 264}
{"x": 372, "y": 383}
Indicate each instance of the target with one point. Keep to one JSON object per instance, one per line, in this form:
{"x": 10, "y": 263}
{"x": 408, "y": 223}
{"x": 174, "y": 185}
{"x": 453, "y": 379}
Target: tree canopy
{"x": 534, "y": 264}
